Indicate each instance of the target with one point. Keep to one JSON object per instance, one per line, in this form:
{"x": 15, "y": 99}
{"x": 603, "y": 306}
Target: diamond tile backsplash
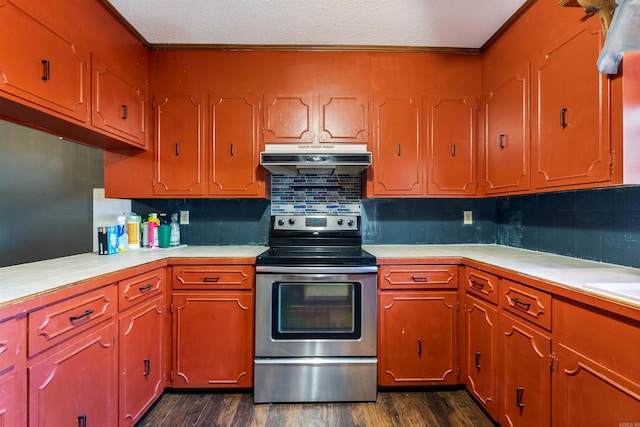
{"x": 313, "y": 194}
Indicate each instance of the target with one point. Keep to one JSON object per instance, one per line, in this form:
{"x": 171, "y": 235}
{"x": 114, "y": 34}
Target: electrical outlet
{"x": 184, "y": 217}
{"x": 468, "y": 217}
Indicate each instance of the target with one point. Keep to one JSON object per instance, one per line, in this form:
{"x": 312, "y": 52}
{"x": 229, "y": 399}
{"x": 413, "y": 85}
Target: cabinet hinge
{"x": 262, "y": 130}
{"x": 477, "y": 107}
{"x": 86, "y": 106}
{"x": 552, "y": 361}
{"x": 611, "y": 159}
{"x": 457, "y": 372}
{"x": 153, "y": 182}
{"x": 171, "y": 307}
{"x": 457, "y": 305}
{"x": 153, "y": 104}
{"x": 171, "y": 376}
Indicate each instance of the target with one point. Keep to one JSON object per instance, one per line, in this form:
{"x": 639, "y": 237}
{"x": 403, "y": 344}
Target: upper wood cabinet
{"x": 179, "y": 148}
{"x": 119, "y": 99}
{"x": 41, "y": 65}
{"x": 507, "y": 148}
{"x": 571, "y": 143}
{"x": 398, "y": 154}
{"x": 308, "y": 118}
{"x": 452, "y": 161}
{"x": 235, "y": 149}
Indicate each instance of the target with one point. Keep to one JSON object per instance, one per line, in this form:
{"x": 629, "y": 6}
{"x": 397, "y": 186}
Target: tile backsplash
{"x": 315, "y": 194}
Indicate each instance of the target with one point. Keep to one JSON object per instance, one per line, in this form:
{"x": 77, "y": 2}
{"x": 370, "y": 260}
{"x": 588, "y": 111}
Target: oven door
{"x": 316, "y": 314}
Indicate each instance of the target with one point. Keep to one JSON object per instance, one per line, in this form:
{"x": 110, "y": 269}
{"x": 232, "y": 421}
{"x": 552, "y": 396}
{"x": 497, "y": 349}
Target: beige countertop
{"x": 23, "y": 281}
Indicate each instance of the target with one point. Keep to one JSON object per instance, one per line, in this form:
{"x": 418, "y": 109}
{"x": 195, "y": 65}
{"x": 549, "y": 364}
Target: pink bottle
{"x": 154, "y": 223}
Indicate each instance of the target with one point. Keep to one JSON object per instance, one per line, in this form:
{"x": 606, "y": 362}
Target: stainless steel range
{"x": 316, "y": 313}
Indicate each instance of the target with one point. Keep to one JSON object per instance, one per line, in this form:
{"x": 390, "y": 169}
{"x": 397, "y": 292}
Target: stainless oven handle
{"x": 316, "y": 270}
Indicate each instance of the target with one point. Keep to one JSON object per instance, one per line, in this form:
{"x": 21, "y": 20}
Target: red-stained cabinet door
{"x": 78, "y": 384}
{"x": 235, "y": 149}
{"x": 417, "y": 342}
{"x": 141, "y": 359}
{"x": 507, "y": 135}
{"x": 288, "y": 118}
{"x": 398, "y": 154}
{"x": 452, "y": 160}
{"x": 13, "y": 380}
{"x": 571, "y": 144}
{"x": 43, "y": 66}
{"x": 526, "y": 374}
{"x": 344, "y": 118}
{"x": 212, "y": 338}
{"x": 179, "y": 148}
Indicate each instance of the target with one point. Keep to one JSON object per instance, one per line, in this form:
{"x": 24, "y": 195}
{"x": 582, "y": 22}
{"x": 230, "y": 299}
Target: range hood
{"x": 320, "y": 159}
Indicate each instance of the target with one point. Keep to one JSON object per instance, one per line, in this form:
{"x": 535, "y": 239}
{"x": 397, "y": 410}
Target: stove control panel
{"x": 315, "y": 223}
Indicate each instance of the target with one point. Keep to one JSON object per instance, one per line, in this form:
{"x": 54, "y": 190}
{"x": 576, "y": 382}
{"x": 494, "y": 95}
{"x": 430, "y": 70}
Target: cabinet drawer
{"x": 214, "y": 277}
{"x": 9, "y": 336}
{"x": 528, "y": 303}
{"x": 482, "y": 284}
{"x": 417, "y": 276}
{"x": 139, "y": 288}
{"x": 55, "y": 323}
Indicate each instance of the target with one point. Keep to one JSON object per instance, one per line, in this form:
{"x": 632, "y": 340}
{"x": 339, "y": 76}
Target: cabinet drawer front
{"x": 9, "y": 335}
{"x": 418, "y": 276}
{"x": 139, "y": 288}
{"x": 55, "y": 323}
{"x": 482, "y": 284}
{"x": 214, "y": 277}
{"x": 528, "y": 303}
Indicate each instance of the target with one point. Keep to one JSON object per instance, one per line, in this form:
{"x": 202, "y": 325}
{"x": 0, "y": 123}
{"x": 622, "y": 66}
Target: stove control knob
{"x": 281, "y": 222}
{"x": 292, "y": 221}
{"x": 350, "y": 223}
{"x": 340, "y": 221}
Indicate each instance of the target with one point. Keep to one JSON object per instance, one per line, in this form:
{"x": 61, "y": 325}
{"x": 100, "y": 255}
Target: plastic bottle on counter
{"x": 133, "y": 230}
{"x": 154, "y": 223}
{"x": 145, "y": 234}
{"x": 174, "y": 238}
{"x": 122, "y": 237}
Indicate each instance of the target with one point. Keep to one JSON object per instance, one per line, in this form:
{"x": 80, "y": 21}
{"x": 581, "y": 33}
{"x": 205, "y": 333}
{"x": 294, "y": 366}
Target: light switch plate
{"x": 184, "y": 217}
{"x": 468, "y": 217}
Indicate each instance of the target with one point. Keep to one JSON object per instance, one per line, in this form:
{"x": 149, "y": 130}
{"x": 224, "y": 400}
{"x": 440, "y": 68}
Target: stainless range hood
{"x": 320, "y": 159}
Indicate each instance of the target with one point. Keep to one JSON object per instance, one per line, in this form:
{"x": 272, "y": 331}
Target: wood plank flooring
{"x": 392, "y": 408}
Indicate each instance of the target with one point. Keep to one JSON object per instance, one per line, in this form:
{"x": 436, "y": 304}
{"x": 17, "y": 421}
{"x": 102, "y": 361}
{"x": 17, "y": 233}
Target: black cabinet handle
{"x": 419, "y": 348}
{"x": 501, "y": 141}
{"x": 421, "y": 279}
{"x": 146, "y": 288}
{"x": 233, "y": 150}
{"x": 147, "y": 367}
{"x": 398, "y": 148}
{"x": 82, "y": 421}
{"x": 80, "y": 316}
{"x": 453, "y": 150}
{"x": 212, "y": 279}
{"x": 46, "y": 69}
{"x": 563, "y": 121}
{"x": 521, "y": 304}
{"x": 125, "y": 112}
{"x": 178, "y": 148}
{"x": 519, "y": 393}
{"x": 478, "y": 365}
{"x": 476, "y": 284}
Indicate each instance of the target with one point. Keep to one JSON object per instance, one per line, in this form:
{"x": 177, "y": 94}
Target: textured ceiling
{"x": 406, "y": 23}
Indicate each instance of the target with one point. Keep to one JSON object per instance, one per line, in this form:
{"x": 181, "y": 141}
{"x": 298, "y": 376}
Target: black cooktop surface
{"x": 316, "y": 256}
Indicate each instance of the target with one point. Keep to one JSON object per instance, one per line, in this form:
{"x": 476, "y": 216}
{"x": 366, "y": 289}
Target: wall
{"x": 601, "y": 225}
{"x": 46, "y": 189}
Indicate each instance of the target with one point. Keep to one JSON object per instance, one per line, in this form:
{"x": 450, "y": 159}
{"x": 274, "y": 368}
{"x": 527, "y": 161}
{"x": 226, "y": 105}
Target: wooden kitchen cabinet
{"x": 73, "y": 354}
{"x": 213, "y": 322}
{"x": 288, "y": 119}
{"x": 41, "y": 65}
{"x": 417, "y": 325}
{"x": 119, "y": 98}
{"x": 142, "y": 344}
{"x": 596, "y": 377}
{"x": 452, "y": 146}
{"x": 179, "y": 151}
{"x": 13, "y": 376}
{"x": 344, "y": 118}
{"x": 571, "y": 137}
{"x": 479, "y": 338}
{"x": 398, "y": 154}
{"x": 235, "y": 148}
{"x": 507, "y": 147}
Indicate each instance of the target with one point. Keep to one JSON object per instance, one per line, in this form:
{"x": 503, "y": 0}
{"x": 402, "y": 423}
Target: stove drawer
{"x": 213, "y": 277}
{"x": 418, "y": 277}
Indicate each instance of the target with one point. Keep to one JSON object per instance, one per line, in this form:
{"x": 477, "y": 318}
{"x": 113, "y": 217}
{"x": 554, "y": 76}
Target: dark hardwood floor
{"x": 392, "y": 408}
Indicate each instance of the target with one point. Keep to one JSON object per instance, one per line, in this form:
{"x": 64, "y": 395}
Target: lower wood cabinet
{"x": 13, "y": 378}
{"x": 481, "y": 344}
{"x": 212, "y": 335}
{"x": 526, "y": 374}
{"x": 141, "y": 359}
{"x": 77, "y": 384}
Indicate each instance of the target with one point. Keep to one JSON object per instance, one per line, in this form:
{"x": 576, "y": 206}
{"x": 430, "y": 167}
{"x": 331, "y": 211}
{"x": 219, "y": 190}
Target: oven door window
{"x": 316, "y": 310}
